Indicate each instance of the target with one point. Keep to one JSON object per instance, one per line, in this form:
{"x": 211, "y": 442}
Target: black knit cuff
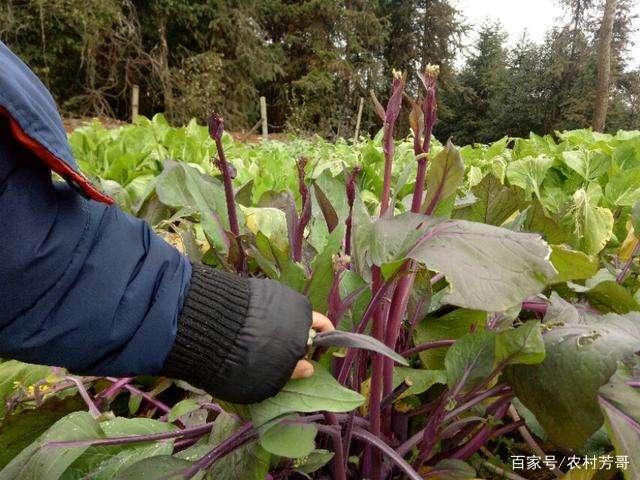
{"x": 239, "y": 339}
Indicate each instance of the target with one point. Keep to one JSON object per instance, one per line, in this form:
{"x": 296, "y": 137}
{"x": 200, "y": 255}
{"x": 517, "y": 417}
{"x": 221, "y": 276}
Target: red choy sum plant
{"x": 432, "y": 343}
{"x": 409, "y": 400}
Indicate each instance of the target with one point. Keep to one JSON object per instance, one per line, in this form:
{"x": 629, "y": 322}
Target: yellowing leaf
{"x": 626, "y": 249}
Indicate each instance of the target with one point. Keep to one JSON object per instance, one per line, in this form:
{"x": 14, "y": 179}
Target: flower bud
{"x": 431, "y": 71}
{"x": 216, "y": 126}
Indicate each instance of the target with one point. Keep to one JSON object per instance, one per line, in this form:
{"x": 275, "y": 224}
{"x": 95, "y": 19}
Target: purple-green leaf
{"x": 341, "y": 339}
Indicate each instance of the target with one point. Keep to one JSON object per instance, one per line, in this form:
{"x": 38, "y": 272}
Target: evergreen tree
{"x": 480, "y": 85}
{"x": 517, "y": 106}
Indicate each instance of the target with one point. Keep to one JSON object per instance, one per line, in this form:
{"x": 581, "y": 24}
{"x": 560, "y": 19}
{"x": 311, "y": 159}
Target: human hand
{"x": 320, "y": 323}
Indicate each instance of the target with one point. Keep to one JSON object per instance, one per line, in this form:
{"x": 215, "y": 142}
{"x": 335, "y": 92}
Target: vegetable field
{"x": 506, "y": 275}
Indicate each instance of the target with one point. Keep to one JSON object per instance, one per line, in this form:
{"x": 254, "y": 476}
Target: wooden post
{"x": 358, "y": 119}
{"x": 263, "y": 116}
{"x": 135, "y": 102}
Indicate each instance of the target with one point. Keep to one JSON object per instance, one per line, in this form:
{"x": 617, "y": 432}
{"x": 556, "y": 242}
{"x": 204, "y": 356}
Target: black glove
{"x": 239, "y": 339}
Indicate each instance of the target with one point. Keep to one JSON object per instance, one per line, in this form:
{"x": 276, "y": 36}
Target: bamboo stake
{"x": 358, "y": 119}
{"x": 263, "y": 116}
{"x": 135, "y": 102}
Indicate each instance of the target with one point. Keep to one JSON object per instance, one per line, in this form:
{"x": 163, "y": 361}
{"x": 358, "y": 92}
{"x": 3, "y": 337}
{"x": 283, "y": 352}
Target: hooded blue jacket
{"x": 87, "y": 287}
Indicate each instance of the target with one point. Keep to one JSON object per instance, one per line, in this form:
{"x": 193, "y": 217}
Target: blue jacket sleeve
{"x": 82, "y": 284}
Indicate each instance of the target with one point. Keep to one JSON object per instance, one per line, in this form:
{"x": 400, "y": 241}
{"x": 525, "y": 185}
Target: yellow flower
{"x": 397, "y": 74}
{"x": 432, "y": 71}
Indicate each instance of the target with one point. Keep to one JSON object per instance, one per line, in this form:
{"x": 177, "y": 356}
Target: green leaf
{"x": 194, "y": 452}
{"x": 317, "y": 393}
{"x": 488, "y": 268}
{"x": 250, "y": 462}
{"x": 14, "y": 373}
{"x": 134, "y": 403}
{"x": 38, "y": 461}
{"x": 421, "y": 380}
{"x": 182, "y": 408}
{"x": 451, "y": 326}
{"x": 470, "y": 360}
{"x": 523, "y": 344}
{"x": 444, "y": 175}
{"x": 582, "y": 353}
{"x": 609, "y": 296}
{"x": 271, "y": 222}
{"x": 244, "y": 195}
{"x": 19, "y": 430}
{"x": 572, "y": 264}
{"x": 290, "y": 440}
{"x": 529, "y": 173}
{"x": 122, "y": 460}
{"x": 112, "y": 458}
{"x": 592, "y": 225}
{"x": 531, "y": 421}
{"x": 314, "y": 461}
{"x": 554, "y": 199}
{"x": 181, "y": 185}
{"x": 494, "y": 204}
{"x": 139, "y": 189}
{"x": 278, "y": 264}
{"x": 550, "y": 227}
{"x": 322, "y": 268}
{"x": 163, "y": 467}
{"x": 623, "y": 189}
{"x": 589, "y": 164}
{"x": 620, "y": 404}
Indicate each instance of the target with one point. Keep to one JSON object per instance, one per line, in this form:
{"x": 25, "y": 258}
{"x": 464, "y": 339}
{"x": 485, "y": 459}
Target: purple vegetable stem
{"x": 389, "y": 452}
{"x": 535, "y": 306}
{"x": 154, "y": 437}
{"x": 339, "y": 459}
{"x": 351, "y": 195}
{"x": 93, "y": 409}
{"x": 427, "y": 346}
{"x": 305, "y": 214}
{"x": 113, "y": 389}
{"x": 244, "y": 435}
{"x": 623, "y": 273}
{"x": 135, "y": 391}
{"x": 473, "y": 445}
{"x": 216, "y": 128}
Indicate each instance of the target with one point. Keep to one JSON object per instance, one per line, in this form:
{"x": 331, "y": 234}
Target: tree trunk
{"x": 165, "y": 72}
{"x": 604, "y": 66}
{"x": 425, "y": 56}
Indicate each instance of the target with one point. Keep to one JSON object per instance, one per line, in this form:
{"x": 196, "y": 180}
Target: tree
{"x": 332, "y": 50}
{"x": 478, "y": 86}
{"x": 517, "y": 106}
{"x": 604, "y": 66}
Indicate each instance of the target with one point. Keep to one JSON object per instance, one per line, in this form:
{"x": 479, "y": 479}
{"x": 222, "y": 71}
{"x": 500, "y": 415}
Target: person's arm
{"x": 89, "y": 288}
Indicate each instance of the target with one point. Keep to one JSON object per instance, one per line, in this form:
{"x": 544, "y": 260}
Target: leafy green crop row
{"x": 513, "y": 287}
{"x": 579, "y": 190}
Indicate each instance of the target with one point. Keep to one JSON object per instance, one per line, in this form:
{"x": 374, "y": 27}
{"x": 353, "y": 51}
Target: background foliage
{"x": 313, "y": 59}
